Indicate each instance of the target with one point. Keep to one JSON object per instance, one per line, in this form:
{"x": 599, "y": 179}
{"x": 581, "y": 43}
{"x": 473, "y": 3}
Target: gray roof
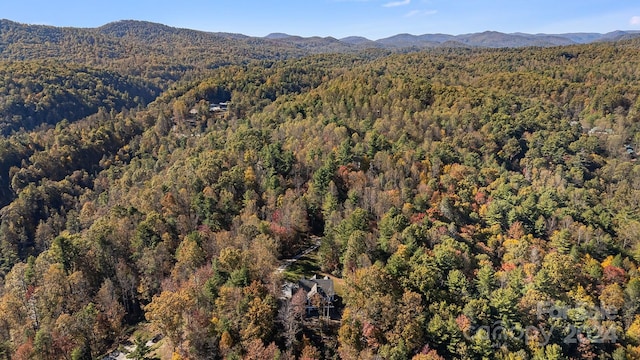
{"x": 324, "y": 285}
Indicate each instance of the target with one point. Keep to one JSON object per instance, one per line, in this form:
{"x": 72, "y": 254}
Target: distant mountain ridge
{"x": 125, "y": 38}
{"x": 498, "y": 39}
{"x": 491, "y": 39}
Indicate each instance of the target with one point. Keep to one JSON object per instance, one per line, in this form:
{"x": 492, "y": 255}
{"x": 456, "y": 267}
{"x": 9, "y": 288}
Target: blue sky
{"x": 374, "y": 19}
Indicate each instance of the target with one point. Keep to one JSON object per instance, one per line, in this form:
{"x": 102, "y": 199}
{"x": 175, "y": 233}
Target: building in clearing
{"x": 219, "y": 107}
{"x": 319, "y": 291}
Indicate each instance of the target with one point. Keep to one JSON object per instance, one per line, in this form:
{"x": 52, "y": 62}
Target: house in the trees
{"x": 219, "y": 107}
{"x": 630, "y": 151}
{"x": 319, "y": 292}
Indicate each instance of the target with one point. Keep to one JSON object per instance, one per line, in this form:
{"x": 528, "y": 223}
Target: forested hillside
{"x": 154, "y": 51}
{"x": 471, "y": 203}
{"x": 36, "y": 93}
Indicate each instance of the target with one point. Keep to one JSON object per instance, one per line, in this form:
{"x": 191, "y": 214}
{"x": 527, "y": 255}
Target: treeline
{"x": 478, "y": 204}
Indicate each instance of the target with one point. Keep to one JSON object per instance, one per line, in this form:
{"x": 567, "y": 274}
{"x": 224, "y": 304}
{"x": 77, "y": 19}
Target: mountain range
{"x": 491, "y": 39}
{"x": 158, "y": 34}
{"x": 488, "y": 39}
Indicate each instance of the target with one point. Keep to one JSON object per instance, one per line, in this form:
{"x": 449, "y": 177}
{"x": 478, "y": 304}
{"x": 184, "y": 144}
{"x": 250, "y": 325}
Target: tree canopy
{"x": 477, "y": 203}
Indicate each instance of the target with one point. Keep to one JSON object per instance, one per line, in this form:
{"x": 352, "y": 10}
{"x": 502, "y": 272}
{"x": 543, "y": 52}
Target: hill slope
{"x": 461, "y": 197}
{"x": 36, "y": 93}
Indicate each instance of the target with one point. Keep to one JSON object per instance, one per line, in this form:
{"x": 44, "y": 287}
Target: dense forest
{"x": 470, "y": 203}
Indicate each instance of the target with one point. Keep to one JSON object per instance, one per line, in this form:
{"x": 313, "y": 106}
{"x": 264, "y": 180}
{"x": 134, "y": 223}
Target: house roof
{"x": 324, "y": 285}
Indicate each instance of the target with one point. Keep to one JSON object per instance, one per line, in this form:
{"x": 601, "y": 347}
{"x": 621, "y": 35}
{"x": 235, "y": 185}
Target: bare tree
{"x": 290, "y": 315}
